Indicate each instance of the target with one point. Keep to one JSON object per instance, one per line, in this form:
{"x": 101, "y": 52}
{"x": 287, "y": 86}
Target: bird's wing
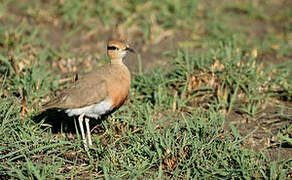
{"x": 90, "y": 89}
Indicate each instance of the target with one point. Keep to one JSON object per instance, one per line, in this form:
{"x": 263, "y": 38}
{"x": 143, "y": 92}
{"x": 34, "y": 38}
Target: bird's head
{"x": 118, "y": 50}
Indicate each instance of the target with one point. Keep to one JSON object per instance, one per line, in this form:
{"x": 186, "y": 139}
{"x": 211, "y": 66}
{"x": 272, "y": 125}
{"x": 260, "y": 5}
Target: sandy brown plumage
{"x": 95, "y": 87}
{"x": 98, "y": 92}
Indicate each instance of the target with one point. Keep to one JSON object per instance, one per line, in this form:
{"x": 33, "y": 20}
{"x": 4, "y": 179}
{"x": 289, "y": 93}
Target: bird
{"x": 98, "y": 92}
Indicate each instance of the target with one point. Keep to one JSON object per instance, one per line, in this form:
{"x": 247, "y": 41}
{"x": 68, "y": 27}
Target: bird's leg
{"x": 80, "y": 119}
{"x": 88, "y": 131}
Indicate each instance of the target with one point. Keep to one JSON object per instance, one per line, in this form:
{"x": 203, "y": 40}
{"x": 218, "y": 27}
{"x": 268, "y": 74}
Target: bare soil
{"x": 266, "y": 126}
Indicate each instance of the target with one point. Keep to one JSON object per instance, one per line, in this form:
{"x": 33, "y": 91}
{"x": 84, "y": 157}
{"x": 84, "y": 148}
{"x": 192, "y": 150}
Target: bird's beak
{"x": 130, "y": 50}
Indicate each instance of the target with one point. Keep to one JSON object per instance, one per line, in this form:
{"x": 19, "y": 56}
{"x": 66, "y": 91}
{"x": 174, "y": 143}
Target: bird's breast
{"x": 119, "y": 88}
{"x": 119, "y": 94}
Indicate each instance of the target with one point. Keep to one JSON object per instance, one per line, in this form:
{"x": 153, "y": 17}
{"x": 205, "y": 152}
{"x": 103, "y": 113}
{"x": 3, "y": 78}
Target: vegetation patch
{"x": 216, "y": 105}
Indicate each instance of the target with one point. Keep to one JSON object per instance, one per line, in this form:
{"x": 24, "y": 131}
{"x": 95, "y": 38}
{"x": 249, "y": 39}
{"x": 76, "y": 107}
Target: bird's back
{"x": 108, "y": 82}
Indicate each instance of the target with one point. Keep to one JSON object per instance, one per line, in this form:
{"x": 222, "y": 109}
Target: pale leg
{"x": 88, "y": 131}
{"x": 80, "y": 119}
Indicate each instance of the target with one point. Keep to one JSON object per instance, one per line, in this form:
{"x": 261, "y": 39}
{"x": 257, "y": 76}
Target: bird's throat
{"x": 117, "y": 61}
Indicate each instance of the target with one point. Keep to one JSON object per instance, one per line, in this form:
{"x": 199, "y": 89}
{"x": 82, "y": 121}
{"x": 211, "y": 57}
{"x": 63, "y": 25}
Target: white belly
{"x": 93, "y": 111}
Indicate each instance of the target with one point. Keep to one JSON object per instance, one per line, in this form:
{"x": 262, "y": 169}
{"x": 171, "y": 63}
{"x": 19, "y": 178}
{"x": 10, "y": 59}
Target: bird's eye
{"x": 112, "y": 48}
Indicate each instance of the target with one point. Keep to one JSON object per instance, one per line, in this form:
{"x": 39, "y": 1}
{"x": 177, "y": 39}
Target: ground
{"x": 222, "y": 58}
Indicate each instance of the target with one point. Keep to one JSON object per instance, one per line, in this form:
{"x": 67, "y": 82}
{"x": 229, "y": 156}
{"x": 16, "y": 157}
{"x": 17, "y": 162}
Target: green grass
{"x": 174, "y": 124}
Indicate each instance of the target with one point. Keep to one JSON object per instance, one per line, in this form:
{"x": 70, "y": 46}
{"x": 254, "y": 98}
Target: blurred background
{"x": 81, "y": 28}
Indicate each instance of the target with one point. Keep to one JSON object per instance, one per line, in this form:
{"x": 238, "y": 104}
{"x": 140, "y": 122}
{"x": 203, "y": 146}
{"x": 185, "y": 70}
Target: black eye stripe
{"x": 112, "y": 48}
